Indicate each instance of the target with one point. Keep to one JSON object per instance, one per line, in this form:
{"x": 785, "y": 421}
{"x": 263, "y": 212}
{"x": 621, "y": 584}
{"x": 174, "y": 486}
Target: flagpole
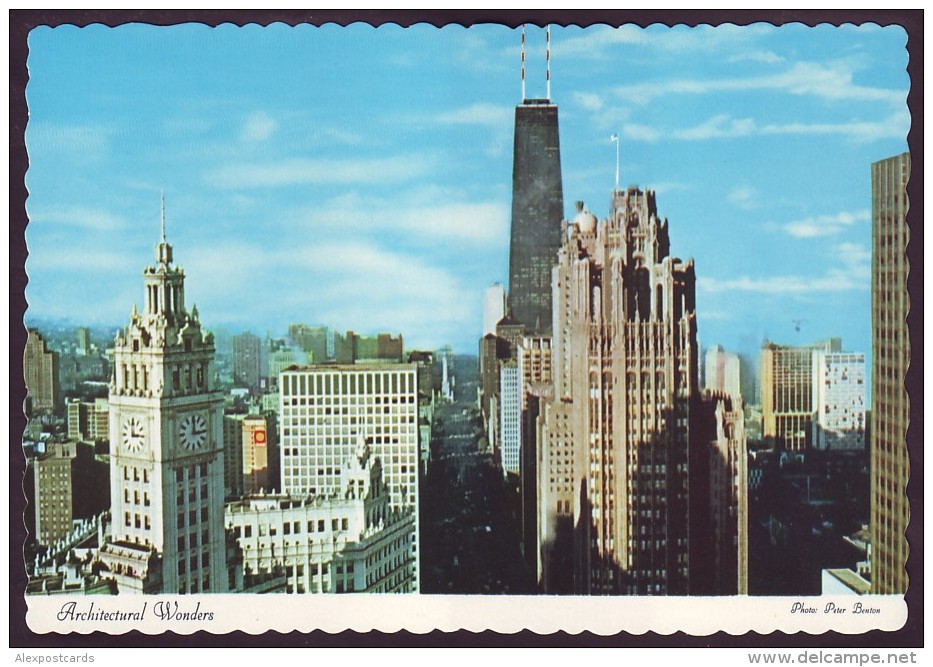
{"x": 615, "y": 138}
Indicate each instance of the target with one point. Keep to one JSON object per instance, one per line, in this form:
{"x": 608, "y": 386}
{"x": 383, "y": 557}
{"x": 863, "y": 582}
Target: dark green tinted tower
{"x": 537, "y": 210}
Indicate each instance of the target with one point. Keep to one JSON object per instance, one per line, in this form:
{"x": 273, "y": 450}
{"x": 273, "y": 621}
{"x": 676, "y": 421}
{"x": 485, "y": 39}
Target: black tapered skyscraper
{"x": 537, "y": 208}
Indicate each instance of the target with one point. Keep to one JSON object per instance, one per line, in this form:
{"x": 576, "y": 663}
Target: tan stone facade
{"x": 890, "y": 465}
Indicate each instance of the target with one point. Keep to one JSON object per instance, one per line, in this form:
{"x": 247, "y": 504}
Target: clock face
{"x": 192, "y": 434}
{"x": 134, "y": 436}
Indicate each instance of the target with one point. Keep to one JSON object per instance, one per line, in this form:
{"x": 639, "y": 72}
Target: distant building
{"x": 279, "y": 359}
{"x": 257, "y": 459}
{"x": 83, "y": 342}
{"x": 325, "y": 410}
{"x": 88, "y": 420}
{"x": 890, "y": 409}
{"x": 510, "y": 415}
{"x": 313, "y": 340}
{"x": 839, "y": 383}
{"x": 723, "y": 372}
{"x": 493, "y": 308}
{"x": 381, "y": 347}
{"x": 719, "y": 538}
{"x": 535, "y": 373}
{"x": 424, "y": 362}
{"x": 40, "y": 371}
{"x": 350, "y": 541}
{"x": 234, "y": 486}
{"x": 246, "y": 360}
{"x": 488, "y": 379}
{"x": 448, "y": 381}
{"x": 787, "y": 392}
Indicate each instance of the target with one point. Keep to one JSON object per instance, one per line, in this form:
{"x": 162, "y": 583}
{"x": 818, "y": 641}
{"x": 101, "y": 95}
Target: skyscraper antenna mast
{"x": 523, "y": 62}
{"x": 548, "y": 39}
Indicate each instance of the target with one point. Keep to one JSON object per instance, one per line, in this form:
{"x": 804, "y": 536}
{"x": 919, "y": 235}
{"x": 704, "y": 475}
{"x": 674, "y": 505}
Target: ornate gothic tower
{"x": 614, "y": 459}
{"x": 166, "y": 440}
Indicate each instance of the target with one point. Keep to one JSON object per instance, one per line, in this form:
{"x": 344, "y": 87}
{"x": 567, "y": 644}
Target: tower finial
{"x": 548, "y": 40}
{"x": 163, "y": 216}
{"x": 523, "y": 62}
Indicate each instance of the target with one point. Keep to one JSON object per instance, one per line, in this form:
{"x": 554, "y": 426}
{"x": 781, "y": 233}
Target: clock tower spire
{"x": 166, "y": 438}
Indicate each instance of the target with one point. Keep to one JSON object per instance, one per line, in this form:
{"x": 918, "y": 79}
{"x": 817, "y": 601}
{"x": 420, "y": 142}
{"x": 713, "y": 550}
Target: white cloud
{"x": 640, "y": 132}
{"x": 718, "y": 127}
{"x": 480, "y": 113}
{"x": 756, "y": 56}
{"x": 744, "y": 197}
{"x": 90, "y": 219}
{"x": 259, "y": 126}
{"x": 856, "y": 258}
{"x": 348, "y": 284}
{"x": 834, "y": 280}
{"x": 430, "y": 213}
{"x": 79, "y": 260}
{"x": 596, "y": 42}
{"x": 832, "y": 81}
{"x": 297, "y": 171}
{"x": 589, "y": 101}
{"x": 83, "y": 139}
{"x": 723, "y": 126}
{"x": 825, "y": 225}
{"x": 850, "y": 270}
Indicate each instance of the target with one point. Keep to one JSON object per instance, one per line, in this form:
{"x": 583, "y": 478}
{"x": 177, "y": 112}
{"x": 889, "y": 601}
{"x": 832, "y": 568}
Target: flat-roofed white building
{"x": 351, "y": 541}
{"x": 323, "y": 413}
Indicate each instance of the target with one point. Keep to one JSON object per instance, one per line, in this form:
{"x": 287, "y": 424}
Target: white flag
{"x": 613, "y": 137}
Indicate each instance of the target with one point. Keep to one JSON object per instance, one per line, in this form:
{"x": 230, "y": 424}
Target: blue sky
{"x": 361, "y": 177}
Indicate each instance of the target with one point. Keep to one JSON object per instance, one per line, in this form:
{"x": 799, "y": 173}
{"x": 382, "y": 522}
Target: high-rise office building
{"x": 722, "y": 372}
{"x": 788, "y": 398}
{"x": 40, "y": 371}
{"x": 323, "y": 413}
{"x": 247, "y": 351}
{"x": 534, "y": 370}
{"x": 839, "y": 385}
{"x": 234, "y": 486}
{"x": 510, "y": 415}
{"x": 493, "y": 308}
{"x": 312, "y": 340}
{"x": 719, "y": 475}
{"x": 537, "y": 211}
{"x": 83, "y": 342}
{"x": 166, "y": 447}
{"x": 88, "y": 420}
{"x": 54, "y": 481}
{"x": 890, "y": 413}
{"x": 616, "y": 493}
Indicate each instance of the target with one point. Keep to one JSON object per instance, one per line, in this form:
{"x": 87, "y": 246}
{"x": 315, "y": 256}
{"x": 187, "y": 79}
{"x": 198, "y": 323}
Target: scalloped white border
{"x": 255, "y": 614}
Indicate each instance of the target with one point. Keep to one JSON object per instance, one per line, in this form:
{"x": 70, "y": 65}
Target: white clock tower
{"x": 166, "y": 446}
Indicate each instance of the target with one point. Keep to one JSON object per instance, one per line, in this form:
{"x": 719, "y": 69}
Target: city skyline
{"x": 341, "y": 202}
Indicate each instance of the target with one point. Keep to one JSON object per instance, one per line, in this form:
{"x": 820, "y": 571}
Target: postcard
{"x": 551, "y": 325}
